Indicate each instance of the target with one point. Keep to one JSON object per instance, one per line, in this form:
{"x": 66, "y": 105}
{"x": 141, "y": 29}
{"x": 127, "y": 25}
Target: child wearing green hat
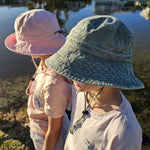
{"x": 97, "y": 56}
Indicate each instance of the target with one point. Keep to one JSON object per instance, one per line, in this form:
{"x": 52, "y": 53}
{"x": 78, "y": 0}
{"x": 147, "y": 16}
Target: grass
{"x": 139, "y": 99}
{"x": 13, "y": 102}
{"x": 14, "y": 135}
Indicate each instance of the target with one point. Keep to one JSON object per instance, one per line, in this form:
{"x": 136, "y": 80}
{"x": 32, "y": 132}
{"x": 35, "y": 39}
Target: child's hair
{"x": 98, "y": 51}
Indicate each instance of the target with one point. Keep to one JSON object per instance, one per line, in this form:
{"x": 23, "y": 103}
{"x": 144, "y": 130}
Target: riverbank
{"x": 14, "y": 135}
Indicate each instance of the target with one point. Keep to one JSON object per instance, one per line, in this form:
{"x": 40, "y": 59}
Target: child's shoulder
{"x": 124, "y": 120}
{"x": 54, "y": 78}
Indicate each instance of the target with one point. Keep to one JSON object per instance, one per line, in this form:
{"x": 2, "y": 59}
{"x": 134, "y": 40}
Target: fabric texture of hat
{"x": 98, "y": 51}
{"x": 36, "y": 33}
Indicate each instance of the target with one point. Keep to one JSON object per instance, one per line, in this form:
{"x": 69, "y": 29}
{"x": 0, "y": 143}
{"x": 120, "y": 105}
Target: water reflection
{"x": 111, "y": 6}
{"x": 102, "y": 7}
{"x": 61, "y": 8}
{"x": 146, "y": 13}
{"x": 69, "y": 12}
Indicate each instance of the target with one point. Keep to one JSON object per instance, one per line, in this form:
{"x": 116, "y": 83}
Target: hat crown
{"x": 27, "y": 24}
{"x": 106, "y": 37}
{"x": 35, "y": 34}
{"x": 97, "y": 51}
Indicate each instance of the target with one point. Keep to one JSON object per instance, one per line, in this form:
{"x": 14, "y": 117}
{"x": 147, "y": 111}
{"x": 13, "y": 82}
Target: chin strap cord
{"x": 84, "y": 112}
{"x": 28, "y": 91}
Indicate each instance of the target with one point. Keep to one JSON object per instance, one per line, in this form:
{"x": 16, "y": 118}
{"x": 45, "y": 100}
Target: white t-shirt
{"x": 115, "y": 130}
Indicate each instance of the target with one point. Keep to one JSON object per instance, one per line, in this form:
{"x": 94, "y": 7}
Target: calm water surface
{"x": 68, "y": 13}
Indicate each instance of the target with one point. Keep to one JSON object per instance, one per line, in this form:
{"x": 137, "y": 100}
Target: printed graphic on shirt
{"x": 36, "y": 102}
{"x": 89, "y": 145}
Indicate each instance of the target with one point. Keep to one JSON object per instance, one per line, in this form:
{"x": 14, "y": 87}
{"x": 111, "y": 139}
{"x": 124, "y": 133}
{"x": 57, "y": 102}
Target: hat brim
{"x": 48, "y": 47}
{"x": 10, "y": 42}
{"x": 77, "y": 65}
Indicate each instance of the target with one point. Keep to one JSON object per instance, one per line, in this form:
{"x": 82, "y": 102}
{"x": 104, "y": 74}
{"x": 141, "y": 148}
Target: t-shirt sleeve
{"x": 56, "y": 93}
{"x": 127, "y": 139}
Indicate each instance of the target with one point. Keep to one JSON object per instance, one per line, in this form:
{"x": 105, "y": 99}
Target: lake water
{"x": 68, "y": 13}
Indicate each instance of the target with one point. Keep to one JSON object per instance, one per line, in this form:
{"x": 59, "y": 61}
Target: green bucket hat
{"x": 98, "y": 51}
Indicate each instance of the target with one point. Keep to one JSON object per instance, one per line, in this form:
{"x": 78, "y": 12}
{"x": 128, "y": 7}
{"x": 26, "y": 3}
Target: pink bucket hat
{"x": 36, "y": 33}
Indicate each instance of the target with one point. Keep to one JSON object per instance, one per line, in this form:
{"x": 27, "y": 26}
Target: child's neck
{"x": 43, "y": 58}
{"x": 108, "y": 100}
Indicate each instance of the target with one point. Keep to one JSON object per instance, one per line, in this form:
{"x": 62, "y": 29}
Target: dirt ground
{"x": 14, "y": 134}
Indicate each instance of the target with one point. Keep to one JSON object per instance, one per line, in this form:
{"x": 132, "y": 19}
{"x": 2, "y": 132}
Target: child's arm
{"x": 54, "y": 128}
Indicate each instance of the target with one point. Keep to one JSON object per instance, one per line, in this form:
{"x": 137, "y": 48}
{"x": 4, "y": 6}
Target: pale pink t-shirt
{"x": 50, "y": 97}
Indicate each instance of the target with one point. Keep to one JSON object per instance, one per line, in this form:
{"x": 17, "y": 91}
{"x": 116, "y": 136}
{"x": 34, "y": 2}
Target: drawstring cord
{"x": 28, "y": 92}
{"x": 84, "y": 112}
{"x": 33, "y": 77}
{"x": 35, "y": 64}
{"x": 61, "y": 32}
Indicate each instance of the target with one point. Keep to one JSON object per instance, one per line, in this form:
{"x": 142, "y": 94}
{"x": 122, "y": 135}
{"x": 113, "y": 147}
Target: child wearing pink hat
{"x": 38, "y": 34}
